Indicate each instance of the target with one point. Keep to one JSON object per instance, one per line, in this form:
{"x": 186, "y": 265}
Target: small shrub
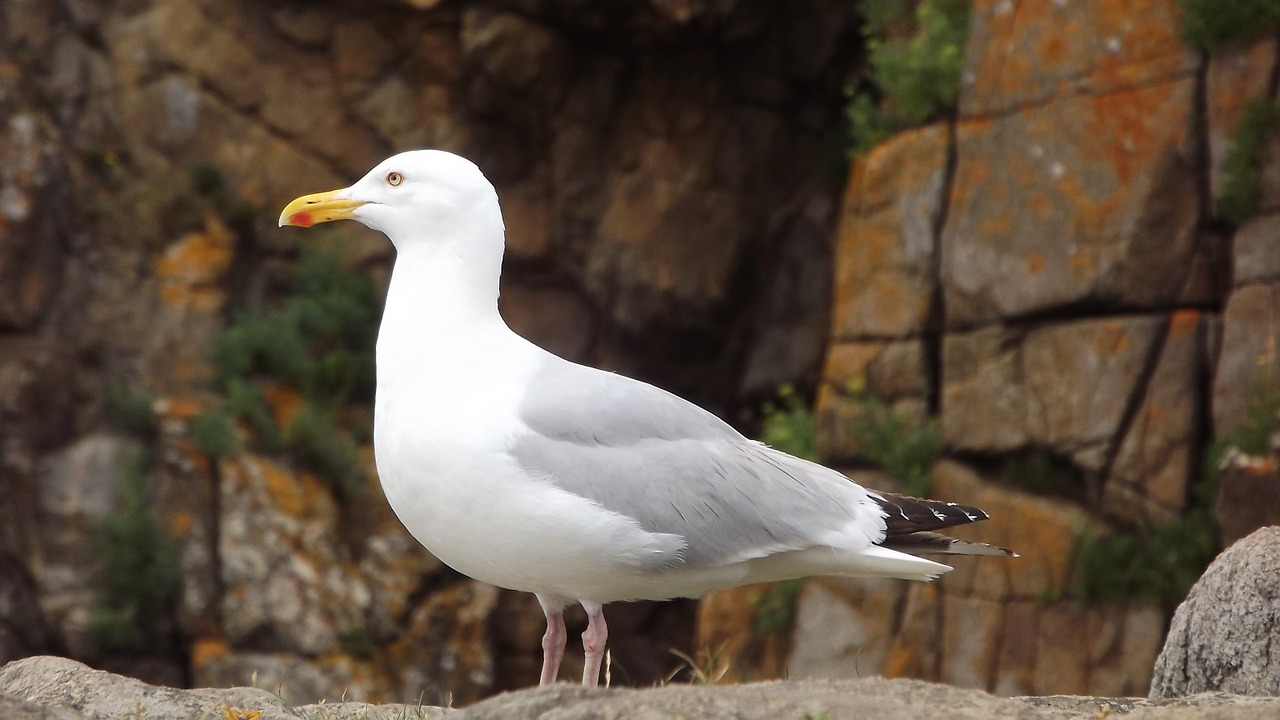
{"x": 905, "y": 450}
{"x": 1040, "y": 470}
{"x": 1242, "y": 169}
{"x": 776, "y": 609}
{"x": 245, "y": 402}
{"x": 788, "y": 425}
{"x": 206, "y": 179}
{"x": 139, "y": 564}
{"x": 214, "y": 434}
{"x": 358, "y": 643}
{"x": 914, "y": 66}
{"x": 315, "y": 438}
{"x": 1158, "y": 564}
{"x": 1207, "y": 24}
{"x": 320, "y": 341}
{"x": 131, "y": 409}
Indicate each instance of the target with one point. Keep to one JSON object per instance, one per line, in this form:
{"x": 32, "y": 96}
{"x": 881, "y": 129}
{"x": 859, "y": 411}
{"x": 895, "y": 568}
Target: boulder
{"x": 1226, "y": 634}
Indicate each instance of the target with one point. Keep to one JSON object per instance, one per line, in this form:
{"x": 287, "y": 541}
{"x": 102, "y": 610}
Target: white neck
{"x": 441, "y": 293}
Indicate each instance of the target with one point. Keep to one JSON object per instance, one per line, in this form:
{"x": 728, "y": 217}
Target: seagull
{"x": 524, "y": 470}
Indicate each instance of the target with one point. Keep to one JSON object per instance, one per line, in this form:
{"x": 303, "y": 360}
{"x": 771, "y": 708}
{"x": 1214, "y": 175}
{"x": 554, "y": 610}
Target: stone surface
{"x": 887, "y": 238}
{"x": 1248, "y": 495}
{"x": 1223, "y": 636}
{"x": 1159, "y": 448}
{"x": 1247, "y": 363}
{"x": 1108, "y": 177}
{"x": 1256, "y": 256}
{"x": 893, "y": 371}
{"x": 1021, "y": 55}
{"x": 30, "y": 190}
{"x": 50, "y": 688}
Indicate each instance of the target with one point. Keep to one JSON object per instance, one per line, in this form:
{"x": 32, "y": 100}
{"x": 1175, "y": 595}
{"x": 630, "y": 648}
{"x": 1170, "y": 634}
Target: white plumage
{"x": 521, "y": 469}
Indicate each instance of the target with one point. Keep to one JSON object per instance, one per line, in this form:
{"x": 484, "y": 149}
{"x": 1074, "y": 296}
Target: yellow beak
{"x": 318, "y": 208}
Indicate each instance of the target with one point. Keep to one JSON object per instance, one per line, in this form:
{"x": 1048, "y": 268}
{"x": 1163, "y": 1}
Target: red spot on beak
{"x": 301, "y": 219}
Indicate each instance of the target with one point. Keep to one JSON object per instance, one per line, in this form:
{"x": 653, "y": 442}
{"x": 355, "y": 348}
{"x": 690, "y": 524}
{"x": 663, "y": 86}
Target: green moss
{"x": 1242, "y": 168}
{"x": 139, "y": 575}
{"x": 1207, "y": 24}
{"x": 788, "y": 425}
{"x": 914, "y": 63}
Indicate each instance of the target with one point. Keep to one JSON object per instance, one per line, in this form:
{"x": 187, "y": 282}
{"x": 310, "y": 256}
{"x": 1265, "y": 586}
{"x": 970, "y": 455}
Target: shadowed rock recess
{"x": 48, "y": 688}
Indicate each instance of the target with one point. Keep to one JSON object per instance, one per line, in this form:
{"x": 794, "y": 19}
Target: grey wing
{"x": 675, "y": 468}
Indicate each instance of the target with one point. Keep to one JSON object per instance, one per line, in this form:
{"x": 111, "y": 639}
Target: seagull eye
{"x": 394, "y": 178}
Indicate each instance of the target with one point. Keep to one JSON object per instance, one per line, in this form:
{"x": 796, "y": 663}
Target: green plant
{"x": 914, "y": 64}
{"x": 905, "y": 450}
{"x": 358, "y": 643}
{"x": 1040, "y": 470}
{"x": 776, "y": 609}
{"x": 319, "y": 341}
{"x": 131, "y": 409}
{"x": 139, "y": 564}
{"x": 314, "y": 436}
{"x": 788, "y": 425}
{"x": 214, "y": 433}
{"x": 1242, "y": 169}
{"x": 1158, "y": 563}
{"x": 1209, "y": 23}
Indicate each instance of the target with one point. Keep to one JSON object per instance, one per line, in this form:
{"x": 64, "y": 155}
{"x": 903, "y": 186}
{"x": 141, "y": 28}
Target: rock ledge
{"x": 54, "y": 688}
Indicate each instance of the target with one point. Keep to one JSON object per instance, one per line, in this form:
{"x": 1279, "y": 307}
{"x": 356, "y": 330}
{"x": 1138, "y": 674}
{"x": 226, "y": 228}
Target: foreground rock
{"x": 1226, "y": 633}
{"x": 52, "y": 688}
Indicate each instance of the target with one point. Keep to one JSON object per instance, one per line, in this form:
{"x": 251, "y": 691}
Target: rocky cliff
{"x": 1055, "y": 278}
{"x": 1044, "y": 275}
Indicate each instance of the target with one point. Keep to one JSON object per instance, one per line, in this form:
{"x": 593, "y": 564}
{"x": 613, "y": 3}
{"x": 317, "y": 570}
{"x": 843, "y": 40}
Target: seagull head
{"x": 410, "y": 197}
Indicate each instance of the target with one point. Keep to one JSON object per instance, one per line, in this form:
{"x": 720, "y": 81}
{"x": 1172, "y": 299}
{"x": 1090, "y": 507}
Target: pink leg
{"x": 593, "y": 642}
{"x": 553, "y": 641}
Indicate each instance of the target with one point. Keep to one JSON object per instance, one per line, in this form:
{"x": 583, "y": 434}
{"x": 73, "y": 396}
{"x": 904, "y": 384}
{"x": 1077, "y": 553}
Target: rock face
{"x": 658, "y": 167}
{"x": 1044, "y": 278}
{"x": 1042, "y": 275}
{"x": 1225, "y": 635}
{"x": 47, "y": 688}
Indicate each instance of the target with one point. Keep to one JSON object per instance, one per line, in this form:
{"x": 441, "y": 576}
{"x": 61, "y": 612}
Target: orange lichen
{"x": 181, "y": 523}
{"x": 1113, "y": 341}
{"x": 900, "y": 660}
{"x": 285, "y": 403}
{"x": 1183, "y": 323}
{"x": 285, "y": 490}
{"x": 207, "y": 650}
{"x": 189, "y": 270}
{"x": 1035, "y": 263}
